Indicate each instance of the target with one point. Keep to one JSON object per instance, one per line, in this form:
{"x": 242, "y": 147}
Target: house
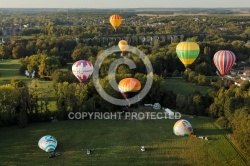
{"x": 244, "y": 76}
{"x": 238, "y": 82}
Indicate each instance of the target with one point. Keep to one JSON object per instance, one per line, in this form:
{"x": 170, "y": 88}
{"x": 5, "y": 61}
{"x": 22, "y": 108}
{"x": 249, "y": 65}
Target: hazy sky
{"x": 122, "y": 3}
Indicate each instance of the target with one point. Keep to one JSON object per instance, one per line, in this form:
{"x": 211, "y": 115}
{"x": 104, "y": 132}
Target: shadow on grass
{"x": 207, "y": 132}
{"x": 10, "y": 66}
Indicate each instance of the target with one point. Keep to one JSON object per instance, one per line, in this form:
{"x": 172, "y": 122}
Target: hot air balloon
{"x": 224, "y": 60}
{"x": 82, "y": 69}
{"x": 115, "y": 20}
{"x": 129, "y": 86}
{"x": 123, "y": 45}
{"x": 182, "y": 128}
{"x": 187, "y": 52}
{"x": 47, "y": 143}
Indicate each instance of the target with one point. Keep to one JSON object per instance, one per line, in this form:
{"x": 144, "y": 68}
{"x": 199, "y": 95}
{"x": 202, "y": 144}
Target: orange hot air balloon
{"x": 123, "y": 45}
{"x": 115, "y": 20}
{"x": 129, "y": 85}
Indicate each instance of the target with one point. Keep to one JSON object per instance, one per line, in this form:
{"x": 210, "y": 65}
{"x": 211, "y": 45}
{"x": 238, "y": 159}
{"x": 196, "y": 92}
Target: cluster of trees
{"x": 42, "y": 64}
{"x": 21, "y": 103}
{"x": 232, "y": 108}
{"x": 18, "y": 47}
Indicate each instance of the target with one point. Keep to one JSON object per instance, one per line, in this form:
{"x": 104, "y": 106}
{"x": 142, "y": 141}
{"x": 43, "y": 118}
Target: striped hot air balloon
{"x": 129, "y": 85}
{"x": 47, "y": 143}
{"x": 115, "y": 20}
{"x": 224, "y": 60}
{"x": 187, "y": 52}
{"x": 182, "y": 128}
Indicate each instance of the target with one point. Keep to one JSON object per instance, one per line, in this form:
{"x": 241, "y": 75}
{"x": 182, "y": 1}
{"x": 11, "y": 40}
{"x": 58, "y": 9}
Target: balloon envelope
{"x": 123, "y": 45}
{"x": 82, "y": 70}
{"x": 224, "y": 60}
{"x": 182, "y": 128}
{"x": 129, "y": 85}
{"x": 47, "y": 143}
{"x": 115, "y": 20}
{"x": 187, "y": 52}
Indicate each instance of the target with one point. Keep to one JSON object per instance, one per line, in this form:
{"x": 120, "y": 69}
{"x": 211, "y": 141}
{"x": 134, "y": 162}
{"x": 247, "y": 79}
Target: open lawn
{"x": 117, "y": 142}
{"x": 179, "y": 86}
{"x": 9, "y": 69}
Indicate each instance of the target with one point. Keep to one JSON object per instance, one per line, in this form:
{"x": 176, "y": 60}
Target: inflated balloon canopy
{"x": 224, "y": 61}
{"x": 182, "y": 128}
{"x": 82, "y": 70}
{"x": 187, "y": 52}
{"x": 115, "y": 20}
{"x": 47, "y": 143}
{"x": 129, "y": 85}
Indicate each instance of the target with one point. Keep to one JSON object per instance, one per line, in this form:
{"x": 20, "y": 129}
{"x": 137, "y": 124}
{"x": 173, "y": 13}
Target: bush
{"x": 39, "y": 117}
{"x": 7, "y": 119}
{"x": 222, "y": 122}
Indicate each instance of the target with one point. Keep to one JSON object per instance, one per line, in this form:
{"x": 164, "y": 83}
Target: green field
{"x": 179, "y": 86}
{"x": 9, "y": 69}
{"x": 117, "y": 142}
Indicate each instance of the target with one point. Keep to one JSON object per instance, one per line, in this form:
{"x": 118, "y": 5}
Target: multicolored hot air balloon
{"x": 123, "y": 45}
{"x": 224, "y": 60}
{"x": 47, "y": 143}
{"x": 187, "y": 52}
{"x": 182, "y": 128}
{"x": 115, "y": 20}
{"x": 82, "y": 69}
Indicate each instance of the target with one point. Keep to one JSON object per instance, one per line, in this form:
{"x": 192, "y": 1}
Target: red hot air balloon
{"x": 224, "y": 60}
{"x": 82, "y": 69}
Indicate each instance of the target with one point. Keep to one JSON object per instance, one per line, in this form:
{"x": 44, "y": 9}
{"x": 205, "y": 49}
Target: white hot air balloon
{"x": 82, "y": 70}
{"x": 47, "y": 143}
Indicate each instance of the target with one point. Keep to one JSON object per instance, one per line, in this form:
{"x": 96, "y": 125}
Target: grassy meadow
{"x": 180, "y": 86}
{"x": 9, "y": 69}
{"x": 117, "y": 142}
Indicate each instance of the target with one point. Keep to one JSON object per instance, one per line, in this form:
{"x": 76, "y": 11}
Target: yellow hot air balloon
{"x": 187, "y": 52}
{"x": 115, "y": 20}
{"x": 123, "y": 45}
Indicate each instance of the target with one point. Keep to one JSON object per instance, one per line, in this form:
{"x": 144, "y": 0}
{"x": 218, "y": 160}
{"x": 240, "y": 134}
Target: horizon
{"x": 126, "y": 8}
{"x": 117, "y": 4}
